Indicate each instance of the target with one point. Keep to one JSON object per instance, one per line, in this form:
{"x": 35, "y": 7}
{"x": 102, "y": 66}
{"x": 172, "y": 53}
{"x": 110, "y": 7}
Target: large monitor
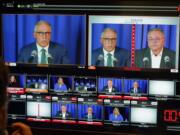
{"x": 133, "y": 41}
{"x": 61, "y": 35}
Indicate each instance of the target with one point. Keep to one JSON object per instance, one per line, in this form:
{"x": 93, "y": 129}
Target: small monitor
{"x": 85, "y": 85}
{"x": 144, "y": 115}
{"x": 135, "y": 87}
{"x": 64, "y": 109}
{"x": 38, "y": 109}
{"x": 16, "y": 84}
{"x": 60, "y": 84}
{"x": 109, "y": 86}
{"x": 13, "y": 112}
{"x": 36, "y": 84}
{"x": 161, "y": 88}
{"x": 90, "y": 110}
{"x": 116, "y": 112}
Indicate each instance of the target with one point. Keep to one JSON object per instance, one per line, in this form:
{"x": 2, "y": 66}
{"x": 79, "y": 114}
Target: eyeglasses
{"x": 154, "y": 39}
{"x": 43, "y": 33}
{"x": 109, "y": 39}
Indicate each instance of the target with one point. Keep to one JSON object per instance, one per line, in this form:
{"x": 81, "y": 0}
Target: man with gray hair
{"x": 155, "y": 55}
{"x": 19, "y": 128}
{"x": 109, "y": 54}
{"x": 43, "y": 51}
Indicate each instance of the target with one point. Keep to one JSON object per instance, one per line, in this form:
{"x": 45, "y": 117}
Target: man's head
{"x": 110, "y": 83}
{"x": 63, "y": 109}
{"x": 60, "y": 80}
{"x": 42, "y": 33}
{"x": 90, "y": 110}
{"x": 156, "y": 40}
{"x": 3, "y": 94}
{"x": 116, "y": 111}
{"x": 12, "y": 79}
{"x": 135, "y": 85}
{"x": 109, "y": 39}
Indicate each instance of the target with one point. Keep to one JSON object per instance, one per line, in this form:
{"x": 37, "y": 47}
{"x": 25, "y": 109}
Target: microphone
{"x": 33, "y": 55}
{"x": 115, "y": 61}
{"x": 99, "y": 59}
{"x": 49, "y": 58}
{"x": 145, "y": 61}
{"x": 167, "y": 61}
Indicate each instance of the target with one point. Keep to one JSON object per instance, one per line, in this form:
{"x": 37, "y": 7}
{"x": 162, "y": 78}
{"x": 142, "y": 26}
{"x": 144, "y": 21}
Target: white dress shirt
{"x": 64, "y": 115}
{"x": 156, "y": 60}
{"x": 110, "y": 90}
{"x": 106, "y": 56}
{"x": 40, "y": 52}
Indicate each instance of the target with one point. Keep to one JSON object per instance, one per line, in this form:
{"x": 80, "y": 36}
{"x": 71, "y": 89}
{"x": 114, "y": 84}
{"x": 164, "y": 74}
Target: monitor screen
{"x": 38, "y": 109}
{"x": 64, "y": 109}
{"x": 36, "y": 84}
{"x": 14, "y": 112}
{"x": 90, "y": 110}
{"x": 116, "y": 112}
{"x": 133, "y": 41}
{"x": 85, "y": 85}
{"x": 161, "y": 88}
{"x": 60, "y": 84}
{"x": 135, "y": 87}
{"x": 110, "y": 86}
{"x": 145, "y": 115}
{"x": 44, "y": 38}
{"x": 16, "y": 84}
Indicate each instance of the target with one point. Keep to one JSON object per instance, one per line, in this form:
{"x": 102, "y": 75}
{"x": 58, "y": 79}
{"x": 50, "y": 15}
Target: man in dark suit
{"x": 63, "y": 114}
{"x": 135, "y": 89}
{"x": 109, "y": 87}
{"x": 156, "y": 55}
{"x": 43, "y": 51}
{"x": 109, "y": 54}
{"x": 89, "y": 115}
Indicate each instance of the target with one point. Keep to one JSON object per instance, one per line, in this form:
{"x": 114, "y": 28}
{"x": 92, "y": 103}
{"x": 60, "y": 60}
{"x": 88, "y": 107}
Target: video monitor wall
{"x": 91, "y": 107}
{"x": 103, "y": 87}
{"x": 62, "y": 36}
{"x": 133, "y": 41}
{"x": 113, "y": 41}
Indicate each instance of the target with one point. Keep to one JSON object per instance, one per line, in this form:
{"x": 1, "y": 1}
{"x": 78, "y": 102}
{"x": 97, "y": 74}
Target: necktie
{"x": 43, "y": 56}
{"x": 135, "y": 90}
{"x": 109, "y": 60}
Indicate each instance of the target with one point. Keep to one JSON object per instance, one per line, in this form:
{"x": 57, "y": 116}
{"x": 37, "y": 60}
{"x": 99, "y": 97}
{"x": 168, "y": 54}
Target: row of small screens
{"x": 91, "y": 85}
{"x": 108, "y": 111}
{"x": 69, "y": 31}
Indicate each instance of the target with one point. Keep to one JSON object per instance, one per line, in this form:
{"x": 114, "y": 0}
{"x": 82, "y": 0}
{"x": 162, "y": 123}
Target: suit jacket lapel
{"x": 163, "y": 64}
{"x": 34, "y": 47}
{"x": 148, "y": 55}
{"x": 102, "y": 62}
